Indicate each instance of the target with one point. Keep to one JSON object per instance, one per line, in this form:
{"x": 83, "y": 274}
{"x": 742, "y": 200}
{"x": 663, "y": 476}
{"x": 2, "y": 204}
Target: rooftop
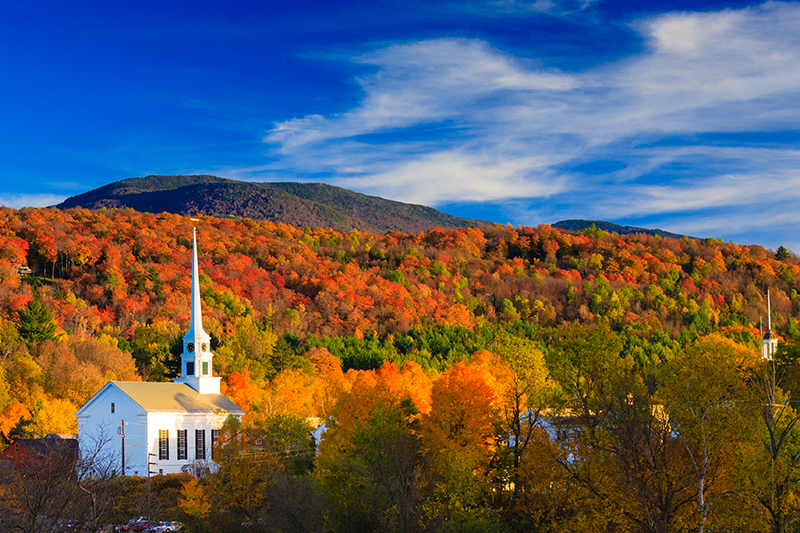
{"x": 161, "y": 397}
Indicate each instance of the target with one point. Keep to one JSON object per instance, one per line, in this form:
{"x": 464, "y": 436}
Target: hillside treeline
{"x": 515, "y": 440}
{"x": 512, "y": 440}
{"x": 489, "y": 378}
{"x": 108, "y": 298}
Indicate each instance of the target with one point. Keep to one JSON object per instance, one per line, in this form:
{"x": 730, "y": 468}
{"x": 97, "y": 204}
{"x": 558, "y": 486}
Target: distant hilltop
{"x": 580, "y": 225}
{"x": 299, "y": 204}
{"x": 315, "y": 205}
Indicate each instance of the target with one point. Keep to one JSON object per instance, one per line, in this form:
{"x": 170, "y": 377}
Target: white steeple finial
{"x": 196, "y": 360}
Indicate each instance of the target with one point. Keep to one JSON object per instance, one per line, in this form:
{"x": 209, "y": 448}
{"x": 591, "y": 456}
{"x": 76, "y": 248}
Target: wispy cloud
{"x": 736, "y": 177}
{"x": 422, "y": 83}
{"x": 549, "y": 7}
{"x": 30, "y": 200}
{"x": 458, "y": 120}
{"x": 459, "y": 175}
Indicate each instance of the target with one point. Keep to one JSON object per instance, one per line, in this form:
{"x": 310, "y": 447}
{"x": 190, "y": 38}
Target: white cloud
{"x": 457, "y": 120}
{"x": 458, "y": 175}
{"x": 421, "y": 83}
{"x": 30, "y": 200}
{"x": 739, "y": 177}
{"x": 550, "y": 7}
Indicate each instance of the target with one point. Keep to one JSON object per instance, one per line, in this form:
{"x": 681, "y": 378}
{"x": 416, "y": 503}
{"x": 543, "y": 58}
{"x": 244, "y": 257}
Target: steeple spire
{"x": 196, "y": 326}
{"x": 769, "y": 312}
{"x": 196, "y": 359}
{"x": 770, "y": 340}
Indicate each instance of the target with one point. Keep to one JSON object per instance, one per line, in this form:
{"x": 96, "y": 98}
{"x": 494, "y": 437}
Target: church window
{"x": 163, "y": 444}
{"x": 189, "y": 369}
{"x": 112, "y": 408}
{"x": 200, "y": 444}
{"x": 214, "y": 437}
{"x": 182, "y": 455}
{"x": 205, "y": 368}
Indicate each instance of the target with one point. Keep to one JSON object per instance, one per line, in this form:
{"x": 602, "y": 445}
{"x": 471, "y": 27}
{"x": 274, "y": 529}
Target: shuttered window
{"x": 182, "y": 452}
{"x": 163, "y": 444}
{"x": 214, "y": 437}
{"x": 200, "y": 444}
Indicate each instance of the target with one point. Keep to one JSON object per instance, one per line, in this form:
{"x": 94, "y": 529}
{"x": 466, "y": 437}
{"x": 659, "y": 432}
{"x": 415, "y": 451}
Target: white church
{"x": 168, "y": 425}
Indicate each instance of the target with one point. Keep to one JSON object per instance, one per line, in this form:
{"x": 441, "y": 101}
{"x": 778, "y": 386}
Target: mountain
{"x": 298, "y": 204}
{"x": 580, "y": 225}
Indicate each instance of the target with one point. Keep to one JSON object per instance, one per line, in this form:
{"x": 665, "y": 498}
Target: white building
{"x": 169, "y": 425}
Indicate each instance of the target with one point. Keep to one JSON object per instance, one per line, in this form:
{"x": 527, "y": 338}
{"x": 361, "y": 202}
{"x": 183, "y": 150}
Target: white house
{"x": 169, "y": 425}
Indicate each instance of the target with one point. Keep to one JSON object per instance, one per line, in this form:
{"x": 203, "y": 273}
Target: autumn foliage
{"x": 465, "y": 377}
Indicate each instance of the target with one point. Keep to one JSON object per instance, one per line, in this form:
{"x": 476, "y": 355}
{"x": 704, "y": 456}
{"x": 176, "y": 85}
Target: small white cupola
{"x": 196, "y": 359}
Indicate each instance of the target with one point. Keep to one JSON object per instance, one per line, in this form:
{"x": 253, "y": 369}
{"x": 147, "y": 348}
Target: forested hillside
{"x": 299, "y": 204}
{"x": 436, "y": 359}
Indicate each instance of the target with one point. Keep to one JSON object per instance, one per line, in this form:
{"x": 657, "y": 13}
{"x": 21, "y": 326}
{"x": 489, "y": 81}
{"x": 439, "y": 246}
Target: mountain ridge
{"x": 295, "y": 203}
{"x": 302, "y": 204}
{"x": 577, "y": 224}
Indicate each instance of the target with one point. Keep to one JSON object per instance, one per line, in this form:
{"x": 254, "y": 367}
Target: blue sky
{"x": 675, "y": 114}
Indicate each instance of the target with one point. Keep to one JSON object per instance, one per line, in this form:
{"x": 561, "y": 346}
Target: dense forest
{"x": 477, "y": 379}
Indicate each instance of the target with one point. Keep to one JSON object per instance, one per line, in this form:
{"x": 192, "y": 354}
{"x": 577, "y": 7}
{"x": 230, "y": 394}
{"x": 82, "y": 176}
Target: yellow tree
{"x": 238, "y": 488}
{"x": 620, "y": 452}
{"x": 194, "y": 504}
{"x": 458, "y": 440}
{"x": 582, "y": 360}
{"x": 332, "y": 384}
{"x": 524, "y": 394}
{"x": 771, "y": 473}
{"x": 711, "y": 408}
{"x": 632, "y": 464}
{"x": 369, "y": 459}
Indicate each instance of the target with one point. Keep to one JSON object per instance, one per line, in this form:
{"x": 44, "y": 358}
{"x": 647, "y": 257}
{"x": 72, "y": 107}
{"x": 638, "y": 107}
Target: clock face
{"x": 190, "y": 347}
{"x": 203, "y": 347}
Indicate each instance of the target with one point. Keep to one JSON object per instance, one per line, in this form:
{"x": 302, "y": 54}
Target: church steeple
{"x": 196, "y": 359}
{"x": 770, "y": 344}
{"x": 196, "y": 326}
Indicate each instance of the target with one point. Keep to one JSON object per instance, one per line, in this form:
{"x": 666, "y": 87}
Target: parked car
{"x": 135, "y": 523}
{"x": 164, "y": 527}
{"x": 141, "y": 527}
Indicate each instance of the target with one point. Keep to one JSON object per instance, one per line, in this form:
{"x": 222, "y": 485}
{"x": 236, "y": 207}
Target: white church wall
{"x": 173, "y": 423}
{"x": 98, "y": 427}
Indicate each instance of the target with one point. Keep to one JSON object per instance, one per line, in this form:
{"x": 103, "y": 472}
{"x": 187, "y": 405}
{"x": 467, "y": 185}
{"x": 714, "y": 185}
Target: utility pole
{"x": 122, "y": 434}
{"x": 148, "y": 482}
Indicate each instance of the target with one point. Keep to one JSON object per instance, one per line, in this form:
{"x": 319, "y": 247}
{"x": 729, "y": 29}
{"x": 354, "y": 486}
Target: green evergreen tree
{"x": 36, "y": 322}
{"x": 782, "y": 253}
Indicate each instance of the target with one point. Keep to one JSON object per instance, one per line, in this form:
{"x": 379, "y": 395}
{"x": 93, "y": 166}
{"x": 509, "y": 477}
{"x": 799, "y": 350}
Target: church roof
{"x": 175, "y": 398}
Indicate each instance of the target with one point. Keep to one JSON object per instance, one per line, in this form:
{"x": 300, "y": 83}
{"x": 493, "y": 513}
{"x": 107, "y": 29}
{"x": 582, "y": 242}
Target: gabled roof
{"x": 157, "y": 397}
{"x": 175, "y": 398}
